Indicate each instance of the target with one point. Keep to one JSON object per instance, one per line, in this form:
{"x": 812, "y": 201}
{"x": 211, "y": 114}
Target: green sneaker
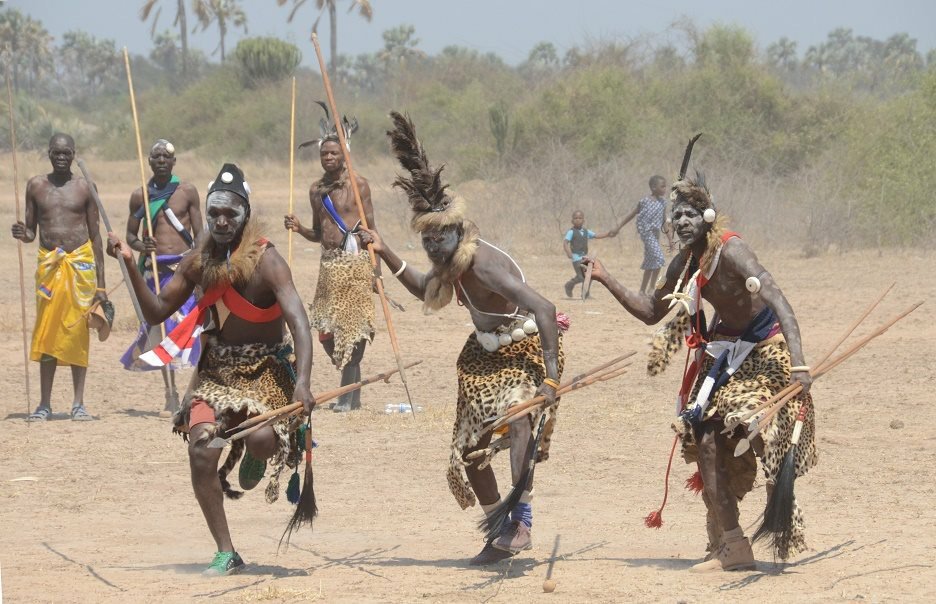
{"x": 251, "y": 471}
{"x": 224, "y": 563}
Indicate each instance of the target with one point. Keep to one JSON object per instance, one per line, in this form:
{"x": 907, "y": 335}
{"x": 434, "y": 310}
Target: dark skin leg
{"x": 203, "y": 463}
{"x": 78, "y": 382}
{"x": 483, "y": 482}
{"x": 351, "y": 372}
{"x": 169, "y": 383}
{"x": 713, "y": 447}
{"x": 47, "y": 379}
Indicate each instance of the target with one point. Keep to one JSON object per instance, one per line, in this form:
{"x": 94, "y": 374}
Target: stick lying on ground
{"x": 275, "y": 414}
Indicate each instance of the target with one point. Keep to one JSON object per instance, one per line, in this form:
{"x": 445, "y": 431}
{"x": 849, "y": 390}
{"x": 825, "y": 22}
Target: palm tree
{"x": 180, "y": 20}
{"x": 26, "y": 45}
{"x": 225, "y": 12}
{"x": 782, "y": 54}
{"x": 364, "y": 9}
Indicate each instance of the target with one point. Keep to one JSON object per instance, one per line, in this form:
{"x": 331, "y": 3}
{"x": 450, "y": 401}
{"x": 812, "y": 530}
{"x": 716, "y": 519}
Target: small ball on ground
{"x": 549, "y": 586}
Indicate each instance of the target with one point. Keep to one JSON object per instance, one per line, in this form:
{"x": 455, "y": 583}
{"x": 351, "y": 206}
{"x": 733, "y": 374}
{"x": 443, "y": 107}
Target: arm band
{"x": 797, "y": 368}
{"x": 551, "y": 383}
{"x": 400, "y": 270}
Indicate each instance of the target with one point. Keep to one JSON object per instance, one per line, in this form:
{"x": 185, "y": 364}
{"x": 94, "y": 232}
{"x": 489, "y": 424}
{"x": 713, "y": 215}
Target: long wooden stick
{"x": 603, "y": 376}
{"x": 527, "y": 407}
{"x": 518, "y": 408}
{"x": 330, "y": 394}
{"x": 292, "y": 167}
{"x": 107, "y": 227}
{"x": 343, "y": 143}
{"x": 729, "y": 426}
{"x": 777, "y": 401}
{"x": 145, "y": 188}
{"x": 19, "y": 245}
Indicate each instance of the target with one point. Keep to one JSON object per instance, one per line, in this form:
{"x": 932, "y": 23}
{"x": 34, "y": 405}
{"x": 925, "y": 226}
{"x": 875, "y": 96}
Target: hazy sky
{"x": 507, "y": 27}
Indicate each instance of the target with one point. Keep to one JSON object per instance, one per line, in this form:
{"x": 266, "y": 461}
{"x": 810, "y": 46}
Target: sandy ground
{"x": 110, "y": 516}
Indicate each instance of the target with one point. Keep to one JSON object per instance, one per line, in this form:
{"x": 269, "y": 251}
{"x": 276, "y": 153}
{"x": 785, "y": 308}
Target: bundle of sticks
{"x": 492, "y": 524}
{"x": 777, "y": 524}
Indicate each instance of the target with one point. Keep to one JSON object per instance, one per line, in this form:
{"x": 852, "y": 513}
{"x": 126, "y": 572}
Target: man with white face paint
{"x": 175, "y": 214}
{"x": 514, "y": 353}
{"x": 247, "y": 365}
{"x": 749, "y": 352}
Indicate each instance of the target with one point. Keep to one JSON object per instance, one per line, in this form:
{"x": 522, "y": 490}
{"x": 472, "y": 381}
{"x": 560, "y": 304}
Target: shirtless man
{"x": 249, "y": 299}
{"x": 343, "y": 308}
{"x": 756, "y": 326}
{"x": 513, "y": 354}
{"x": 70, "y": 276}
{"x": 176, "y": 217}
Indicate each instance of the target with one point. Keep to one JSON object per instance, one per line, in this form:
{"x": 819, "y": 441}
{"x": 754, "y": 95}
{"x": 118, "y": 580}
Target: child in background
{"x": 576, "y": 247}
{"x": 651, "y": 219}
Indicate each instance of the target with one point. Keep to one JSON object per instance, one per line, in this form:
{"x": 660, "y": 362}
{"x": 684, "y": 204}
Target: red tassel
{"x": 654, "y": 519}
{"x": 694, "y": 483}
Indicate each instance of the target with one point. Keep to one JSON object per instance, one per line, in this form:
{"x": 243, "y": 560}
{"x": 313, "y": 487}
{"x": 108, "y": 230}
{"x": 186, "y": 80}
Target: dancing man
{"x": 247, "y": 365}
{"x": 513, "y": 354}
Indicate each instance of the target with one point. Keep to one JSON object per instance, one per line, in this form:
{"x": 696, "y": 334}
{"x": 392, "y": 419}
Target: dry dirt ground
{"x": 109, "y": 514}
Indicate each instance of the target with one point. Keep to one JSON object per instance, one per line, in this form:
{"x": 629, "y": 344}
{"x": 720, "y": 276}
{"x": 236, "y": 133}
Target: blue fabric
{"x": 757, "y": 330}
{"x": 330, "y": 208}
{"x": 523, "y": 512}
{"x": 581, "y": 235}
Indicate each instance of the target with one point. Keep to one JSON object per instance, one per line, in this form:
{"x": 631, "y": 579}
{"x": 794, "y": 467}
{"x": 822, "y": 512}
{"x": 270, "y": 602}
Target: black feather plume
{"x": 424, "y": 186}
{"x": 687, "y": 155}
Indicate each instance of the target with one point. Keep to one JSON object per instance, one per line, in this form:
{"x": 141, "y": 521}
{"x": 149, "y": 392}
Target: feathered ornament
{"x": 432, "y": 206}
{"x": 328, "y": 132}
{"x": 306, "y": 507}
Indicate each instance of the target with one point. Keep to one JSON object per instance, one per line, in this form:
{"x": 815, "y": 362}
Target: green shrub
{"x": 266, "y": 60}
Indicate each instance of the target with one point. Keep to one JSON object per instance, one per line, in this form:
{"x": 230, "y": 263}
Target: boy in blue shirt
{"x": 576, "y": 247}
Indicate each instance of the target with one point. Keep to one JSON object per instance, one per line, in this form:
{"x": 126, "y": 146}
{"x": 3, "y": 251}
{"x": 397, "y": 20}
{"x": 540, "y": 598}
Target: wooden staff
{"x": 729, "y": 426}
{"x": 778, "y": 400}
{"x": 520, "y": 407}
{"x": 146, "y": 204}
{"x": 292, "y": 167}
{"x": 343, "y": 143}
{"x": 274, "y": 413}
{"x": 107, "y": 227}
{"x": 19, "y": 244}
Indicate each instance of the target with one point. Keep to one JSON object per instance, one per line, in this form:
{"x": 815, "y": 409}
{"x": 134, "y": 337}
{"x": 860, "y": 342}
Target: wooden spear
{"x": 145, "y": 188}
{"x": 292, "y": 167}
{"x": 343, "y": 143}
{"x": 19, "y": 244}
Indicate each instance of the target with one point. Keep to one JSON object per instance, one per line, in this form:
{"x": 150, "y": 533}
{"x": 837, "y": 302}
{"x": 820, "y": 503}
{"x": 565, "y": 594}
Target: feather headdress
{"x": 329, "y": 132}
{"x": 691, "y": 190}
{"x": 432, "y": 206}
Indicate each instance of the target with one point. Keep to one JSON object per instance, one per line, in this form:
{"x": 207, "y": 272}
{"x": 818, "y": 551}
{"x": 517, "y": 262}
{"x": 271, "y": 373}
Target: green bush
{"x": 266, "y": 59}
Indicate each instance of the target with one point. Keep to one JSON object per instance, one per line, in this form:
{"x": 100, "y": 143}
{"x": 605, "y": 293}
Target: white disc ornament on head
{"x": 227, "y": 178}
{"x": 529, "y": 327}
{"x": 708, "y": 215}
{"x": 517, "y": 334}
{"x": 504, "y": 339}
{"x": 752, "y": 284}
{"x": 488, "y": 341}
{"x": 170, "y": 148}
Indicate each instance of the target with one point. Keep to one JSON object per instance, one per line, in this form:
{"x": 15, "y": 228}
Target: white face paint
{"x": 226, "y": 216}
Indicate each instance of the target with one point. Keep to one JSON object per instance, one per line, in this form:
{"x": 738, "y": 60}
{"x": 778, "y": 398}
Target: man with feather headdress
{"x": 247, "y": 366}
{"x": 750, "y": 351}
{"x": 513, "y": 354}
{"x": 343, "y": 308}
